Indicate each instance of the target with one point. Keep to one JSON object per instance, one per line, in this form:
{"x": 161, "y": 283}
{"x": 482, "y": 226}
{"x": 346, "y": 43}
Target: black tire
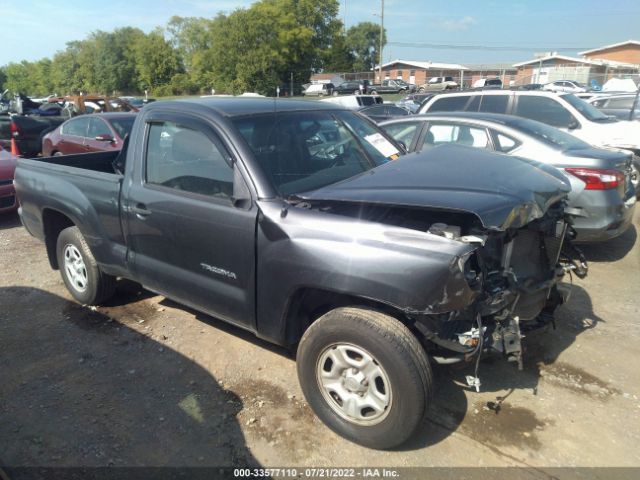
{"x": 393, "y": 348}
{"x": 373, "y": 92}
{"x": 99, "y": 286}
{"x": 421, "y": 90}
{"x": 335, "y": 94}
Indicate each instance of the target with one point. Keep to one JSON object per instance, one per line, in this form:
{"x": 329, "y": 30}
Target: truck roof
{"x": 237, "y": 106}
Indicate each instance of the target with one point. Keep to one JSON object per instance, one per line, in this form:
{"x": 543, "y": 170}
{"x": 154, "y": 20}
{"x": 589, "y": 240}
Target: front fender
{"x": 413, "y": 271}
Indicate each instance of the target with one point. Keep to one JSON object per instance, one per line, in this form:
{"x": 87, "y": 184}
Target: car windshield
{"x": 589, "y": 111}
{"x": 549, "y": 135}
{"x": 304, "y": 151}
{"x": 122, "y": 125}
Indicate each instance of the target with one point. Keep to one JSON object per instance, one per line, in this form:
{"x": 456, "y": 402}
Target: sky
{"x": 420, "y": 30}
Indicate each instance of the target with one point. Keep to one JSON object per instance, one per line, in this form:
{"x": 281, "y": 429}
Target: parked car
{"x": 564, "y": 111}
{"x": 530, "y": 86}
{"x": 438, "y": 84}
{"x": 259, "y": 212}
{"x": 566, "y": 86}
{"x": 88, "y": 133}
{"x": 137, "y": 102}
{"x": 355, "y": 87}
{"x": 624, "y": 106}
{"x": 602, "y": 190}
{"x": 413, "y": 101}
{"x": 355, "y": 102}
{"x": 488, "y": 83}
{"x": 377, "y": 113}
{"x": 8, "y": 202}
{"x": 319, "y": 89}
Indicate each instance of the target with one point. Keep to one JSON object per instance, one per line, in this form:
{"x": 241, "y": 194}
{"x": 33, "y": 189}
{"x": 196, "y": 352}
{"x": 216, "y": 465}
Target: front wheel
{"x": 80, "y": 271}
{"x": 366, "y": 376}
{"x": 421, "y": 90}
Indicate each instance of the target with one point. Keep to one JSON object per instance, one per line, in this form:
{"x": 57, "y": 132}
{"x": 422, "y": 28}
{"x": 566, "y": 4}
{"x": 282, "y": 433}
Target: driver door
{"x": 188, "y": 239}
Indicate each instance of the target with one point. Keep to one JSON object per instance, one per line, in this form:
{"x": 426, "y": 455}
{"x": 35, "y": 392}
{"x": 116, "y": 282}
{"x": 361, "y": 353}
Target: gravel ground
{"x": 144, "y": 381}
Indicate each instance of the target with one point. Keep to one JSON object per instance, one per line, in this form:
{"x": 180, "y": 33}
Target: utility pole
{"x": 381, "y": 34}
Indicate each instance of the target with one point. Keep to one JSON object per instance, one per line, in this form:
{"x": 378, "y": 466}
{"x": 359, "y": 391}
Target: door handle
{"x": 141, "y": 210}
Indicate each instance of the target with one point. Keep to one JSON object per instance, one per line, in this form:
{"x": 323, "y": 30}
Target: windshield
{"x": 549, "y": 135}
{"x": 304, "y": 151}
{"x": 589, "y": 111}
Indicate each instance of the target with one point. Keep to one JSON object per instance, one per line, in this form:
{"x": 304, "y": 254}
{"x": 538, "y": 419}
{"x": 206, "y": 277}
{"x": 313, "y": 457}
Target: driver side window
{"x": 186, "y": 159}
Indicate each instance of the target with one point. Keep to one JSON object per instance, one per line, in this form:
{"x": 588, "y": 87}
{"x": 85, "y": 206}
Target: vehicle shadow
{"x": 611, "y": 250}
{"x": 227, "y": 327}
{"x": 9, "y": 220}
{"x": 80, "y": 389}
{"x": 451, "y": 407}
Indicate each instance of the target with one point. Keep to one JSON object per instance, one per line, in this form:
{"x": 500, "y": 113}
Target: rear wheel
{"x": 57, "y": 154}
{"x": 365, "y": 375}
{"x": 79, "y": 269}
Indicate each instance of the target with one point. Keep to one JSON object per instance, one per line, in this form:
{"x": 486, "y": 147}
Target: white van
{"x": 318, "y": 89}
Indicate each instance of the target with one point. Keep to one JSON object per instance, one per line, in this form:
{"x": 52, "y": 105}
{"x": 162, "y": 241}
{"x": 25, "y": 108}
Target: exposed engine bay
{"x": 516, "y": 275}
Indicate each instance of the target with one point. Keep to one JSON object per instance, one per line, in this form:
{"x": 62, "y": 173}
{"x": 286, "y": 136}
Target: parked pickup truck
{"x": 388, "y": 86}
{"x": 27, "y": 131}
{"x": 437, "y": 84}
{"x": 293, "y": 220}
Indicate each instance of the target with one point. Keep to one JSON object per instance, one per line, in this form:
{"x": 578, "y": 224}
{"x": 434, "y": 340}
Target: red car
{"x": 8, "y": 202}
{"x": 88, "y": 133}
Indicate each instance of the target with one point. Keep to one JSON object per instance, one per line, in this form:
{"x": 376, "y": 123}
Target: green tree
{"x": 364, "y": 42}
{"x": 156, "y": 61}
{"x": 339, "y": 57}
{"x": 260, "y": 47}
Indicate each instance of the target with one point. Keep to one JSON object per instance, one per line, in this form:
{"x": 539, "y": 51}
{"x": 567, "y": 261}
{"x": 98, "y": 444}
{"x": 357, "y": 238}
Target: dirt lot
{"x": 144, "y": 381}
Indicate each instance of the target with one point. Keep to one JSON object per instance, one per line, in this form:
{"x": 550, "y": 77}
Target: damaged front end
{"x": 517, "y": 275}
{"x": 512, "y": 212}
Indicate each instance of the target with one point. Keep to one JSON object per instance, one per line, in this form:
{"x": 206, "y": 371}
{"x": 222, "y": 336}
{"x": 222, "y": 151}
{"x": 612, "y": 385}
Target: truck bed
{"x": 97, "y": 162}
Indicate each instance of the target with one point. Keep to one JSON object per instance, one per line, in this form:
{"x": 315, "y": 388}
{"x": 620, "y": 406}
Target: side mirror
{"x": 573, "y": 124}
{"x": 241, "y": 194}
{"x": 104, "y": 138}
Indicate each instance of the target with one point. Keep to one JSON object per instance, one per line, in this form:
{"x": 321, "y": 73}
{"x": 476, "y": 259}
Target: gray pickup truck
{"x": 304, "y": 223}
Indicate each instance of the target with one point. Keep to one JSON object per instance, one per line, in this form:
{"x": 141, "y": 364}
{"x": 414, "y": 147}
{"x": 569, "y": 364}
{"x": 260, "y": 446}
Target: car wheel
{"x": 421, "y": 90}
{"x": 335, "y": 94}
{"x": 365, "y": 375}
{"x": 57, "y": 154}
{"x": 373, "y": 92}
{"x": 79, "y": 269}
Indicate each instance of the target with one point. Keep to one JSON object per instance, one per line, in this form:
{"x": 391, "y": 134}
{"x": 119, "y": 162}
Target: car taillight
{"x": 15, "y": 130}
{"x": 598, "y": 178}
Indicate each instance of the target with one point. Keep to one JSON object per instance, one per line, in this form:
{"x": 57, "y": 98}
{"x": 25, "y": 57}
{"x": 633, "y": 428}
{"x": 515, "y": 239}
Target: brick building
{"x": 623, "y": 52}
{"x": 419, "y": 72}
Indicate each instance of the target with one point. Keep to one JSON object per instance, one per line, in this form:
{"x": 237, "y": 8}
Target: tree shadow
{"x": 9, "y": 220}
{"x": 80, "y": 389}
{"x": 611, "y": 250}
{"x": 450, "y": 407}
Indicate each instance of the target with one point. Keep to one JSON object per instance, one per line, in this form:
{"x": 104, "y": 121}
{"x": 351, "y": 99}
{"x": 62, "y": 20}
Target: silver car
{"x": 602, "y": 195}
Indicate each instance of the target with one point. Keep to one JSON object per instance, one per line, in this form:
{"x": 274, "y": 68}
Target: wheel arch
{"x": 54, "y": 222}
{"x": 308, "y": 304}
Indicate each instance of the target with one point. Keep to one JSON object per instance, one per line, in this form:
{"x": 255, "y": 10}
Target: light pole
{"x": 381, "y": 35}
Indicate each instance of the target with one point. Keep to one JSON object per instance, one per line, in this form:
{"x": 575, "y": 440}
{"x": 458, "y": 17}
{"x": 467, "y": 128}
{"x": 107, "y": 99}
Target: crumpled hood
{"x": 502, "y": 191}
